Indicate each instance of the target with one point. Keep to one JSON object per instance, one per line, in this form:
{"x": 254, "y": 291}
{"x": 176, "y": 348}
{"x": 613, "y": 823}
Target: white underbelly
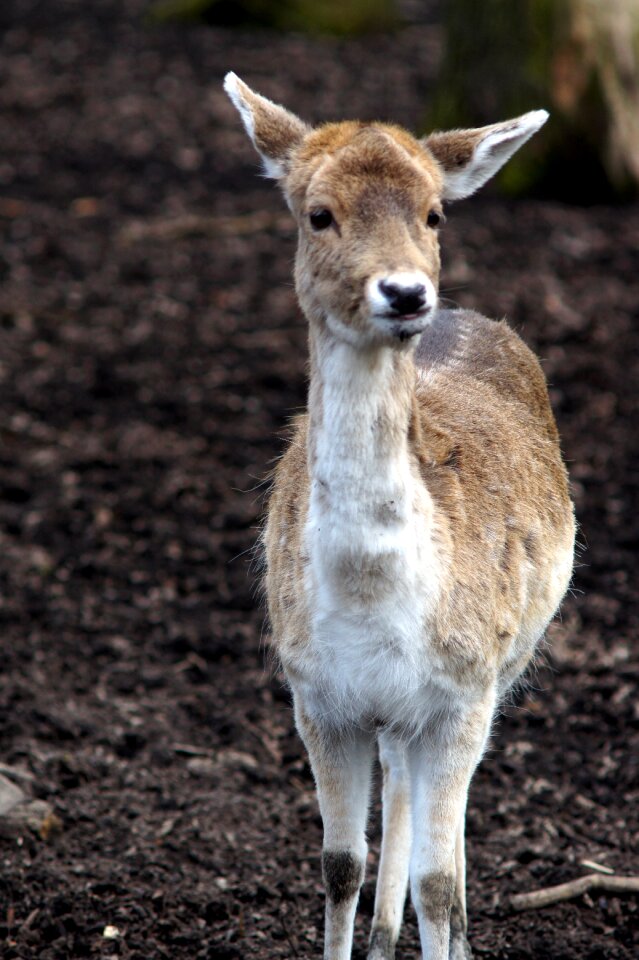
{"x": 371, "y": 671}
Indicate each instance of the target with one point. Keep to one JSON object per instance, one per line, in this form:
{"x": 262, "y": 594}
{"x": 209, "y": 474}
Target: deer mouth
{"x": 403, "y": 317}
{"x": 404, "y": 327}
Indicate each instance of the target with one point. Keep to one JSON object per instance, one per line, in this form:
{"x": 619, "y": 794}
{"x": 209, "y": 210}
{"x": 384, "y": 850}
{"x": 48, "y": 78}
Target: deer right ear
{"x": 275, "y": 132}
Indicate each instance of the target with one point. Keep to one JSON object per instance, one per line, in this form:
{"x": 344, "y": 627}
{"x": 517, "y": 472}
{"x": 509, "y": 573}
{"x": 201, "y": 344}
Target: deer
{"x": 419, "y": 534}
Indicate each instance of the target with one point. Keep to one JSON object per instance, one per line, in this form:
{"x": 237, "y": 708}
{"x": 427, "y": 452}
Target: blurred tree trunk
{"x": 577, "y": 58}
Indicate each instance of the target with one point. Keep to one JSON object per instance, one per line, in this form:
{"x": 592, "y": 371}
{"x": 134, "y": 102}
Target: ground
{"x": 151, "y": 352}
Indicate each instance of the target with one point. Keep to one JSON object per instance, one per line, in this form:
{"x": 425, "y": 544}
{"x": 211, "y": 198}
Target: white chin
{"x": 403, "y": 329}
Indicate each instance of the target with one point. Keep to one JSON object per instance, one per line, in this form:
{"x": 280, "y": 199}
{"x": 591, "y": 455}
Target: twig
{"x": 287, "y": 935}
{"x": 267, "y": 741}
{"x": 597, "y": 867}
{"x": 575, "y": 888}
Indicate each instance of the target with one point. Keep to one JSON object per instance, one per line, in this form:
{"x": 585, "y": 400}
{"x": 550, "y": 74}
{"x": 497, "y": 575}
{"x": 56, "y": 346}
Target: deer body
{"x": 420, "y": 533}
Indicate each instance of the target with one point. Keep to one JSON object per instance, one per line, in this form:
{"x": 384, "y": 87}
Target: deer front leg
{"x": 442, "y": 764}
{"x": 341, "y": 761}
{"x": 392, "y": 879}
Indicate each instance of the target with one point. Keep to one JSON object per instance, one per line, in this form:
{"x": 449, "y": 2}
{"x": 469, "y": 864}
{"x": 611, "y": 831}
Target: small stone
{"x": 36, "y": 816}
{"x": 238, "y": 759}
{"x": 201, "y": 766}
{"x": 10, "y": 795}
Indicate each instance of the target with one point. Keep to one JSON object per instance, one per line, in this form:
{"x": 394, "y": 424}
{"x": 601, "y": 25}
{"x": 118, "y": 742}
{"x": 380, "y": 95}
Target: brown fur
{"x": 437, "y": 892}
{"x": 276, "y": 129}
{"x": 452, "y": 153}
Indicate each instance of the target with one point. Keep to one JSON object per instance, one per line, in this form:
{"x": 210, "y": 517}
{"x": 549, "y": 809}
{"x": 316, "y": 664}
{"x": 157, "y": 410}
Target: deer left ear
{"x": 468, "y": 158}
{"x": 275, "y": 132}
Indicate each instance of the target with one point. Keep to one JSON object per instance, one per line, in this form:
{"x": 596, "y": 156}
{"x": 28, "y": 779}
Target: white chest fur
{"x": 373, "y": 572}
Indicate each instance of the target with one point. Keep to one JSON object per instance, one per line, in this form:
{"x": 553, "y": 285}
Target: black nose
{"x": 404, "y": 300}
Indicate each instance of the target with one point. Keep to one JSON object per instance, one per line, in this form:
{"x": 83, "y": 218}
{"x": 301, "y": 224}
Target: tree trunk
{"x": 578, "y": 58}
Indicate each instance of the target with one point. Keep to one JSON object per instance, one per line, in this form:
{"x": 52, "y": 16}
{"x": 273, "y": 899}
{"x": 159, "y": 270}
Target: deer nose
{"x": 404, "y": 299}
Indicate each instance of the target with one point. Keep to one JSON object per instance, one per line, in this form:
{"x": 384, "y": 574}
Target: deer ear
{"x": 275, "y": 132}
{"x": 469, "y": 158}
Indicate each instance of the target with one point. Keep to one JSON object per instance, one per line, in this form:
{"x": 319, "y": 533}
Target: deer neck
{"x": 361, "y": 407}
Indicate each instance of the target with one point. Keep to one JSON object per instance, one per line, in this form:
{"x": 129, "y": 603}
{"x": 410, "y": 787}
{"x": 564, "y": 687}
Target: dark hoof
{"x": 382, "y": 945}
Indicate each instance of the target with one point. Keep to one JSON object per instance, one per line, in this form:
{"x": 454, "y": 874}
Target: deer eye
{"x": 433, "y": 218}
{"x": 321, "y": 219}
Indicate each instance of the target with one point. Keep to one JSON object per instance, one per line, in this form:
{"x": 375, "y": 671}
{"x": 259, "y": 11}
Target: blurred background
{"x": 154, "y": 800}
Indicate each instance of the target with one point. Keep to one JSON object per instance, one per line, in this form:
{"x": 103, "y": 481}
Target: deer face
{"x": 368, "y": 202}
{"x": 367, "y": 198}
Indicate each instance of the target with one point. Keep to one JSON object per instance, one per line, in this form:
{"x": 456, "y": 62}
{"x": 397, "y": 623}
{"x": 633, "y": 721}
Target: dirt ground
{"x": 151, "y": 351}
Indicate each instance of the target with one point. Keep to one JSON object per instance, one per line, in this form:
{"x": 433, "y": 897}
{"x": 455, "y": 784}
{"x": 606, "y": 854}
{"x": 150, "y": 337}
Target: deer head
{"x": 368, "y": 199}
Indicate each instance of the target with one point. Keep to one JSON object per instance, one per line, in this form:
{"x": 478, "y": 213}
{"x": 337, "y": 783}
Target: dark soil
{"x": 146, "y": 376}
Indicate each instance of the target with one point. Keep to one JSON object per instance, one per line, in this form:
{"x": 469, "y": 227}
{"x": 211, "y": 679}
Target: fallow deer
{"x": 420, "y": 532}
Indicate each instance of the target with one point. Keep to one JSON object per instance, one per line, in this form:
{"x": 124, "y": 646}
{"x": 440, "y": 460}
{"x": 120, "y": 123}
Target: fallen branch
{"x": 193, "y": 224}
{"x": 574, "y": 888}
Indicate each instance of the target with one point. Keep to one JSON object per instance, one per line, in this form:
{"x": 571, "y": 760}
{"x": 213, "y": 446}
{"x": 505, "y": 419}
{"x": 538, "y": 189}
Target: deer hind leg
{"x": 442, "y": 764}
{"x": 341, "y": 761}
{"x": 392, "y": 878}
